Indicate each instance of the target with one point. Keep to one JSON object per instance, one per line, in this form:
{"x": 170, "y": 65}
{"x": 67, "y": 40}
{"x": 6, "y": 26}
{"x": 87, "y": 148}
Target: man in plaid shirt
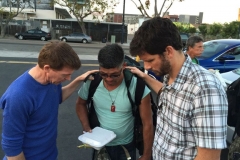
{"x": 192, "y": 115}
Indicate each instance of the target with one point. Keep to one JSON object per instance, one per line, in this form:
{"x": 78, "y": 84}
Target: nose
{"x": 147, "y": 66}
{"x": 108, "y": 78}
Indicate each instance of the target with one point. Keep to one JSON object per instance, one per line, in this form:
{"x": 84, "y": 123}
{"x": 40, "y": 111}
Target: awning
{"x": 63, "y": 12}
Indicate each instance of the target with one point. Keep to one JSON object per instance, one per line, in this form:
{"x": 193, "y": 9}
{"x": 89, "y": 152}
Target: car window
{"x": 80, "y": 34}
{"x": 38, "y": 31}
{"x": 30, "y": 31}
{"x": 212, "y": 48}
{"x": 183, "y": 36}
{"x": 235, "y": 52}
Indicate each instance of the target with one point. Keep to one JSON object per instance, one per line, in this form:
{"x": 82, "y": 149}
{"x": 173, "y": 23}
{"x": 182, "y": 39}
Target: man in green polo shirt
{"x": 194, "y": 48}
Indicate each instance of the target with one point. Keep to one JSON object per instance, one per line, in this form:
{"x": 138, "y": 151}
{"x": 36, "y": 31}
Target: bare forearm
{"x": 18, "y": 157}
{"x": 82, "y": 114}
{"x": 148, "y": 136}
{"x": 154, "y": 84}
{"x": 70, "y": 88}
{"x": 208, "y": 154}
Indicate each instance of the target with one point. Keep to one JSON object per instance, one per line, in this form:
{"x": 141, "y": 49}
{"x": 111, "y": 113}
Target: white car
{"x": 230, "y": 77}
{"x": 76, "y": 37}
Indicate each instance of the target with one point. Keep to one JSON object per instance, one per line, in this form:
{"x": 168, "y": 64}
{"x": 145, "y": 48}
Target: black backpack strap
{"x": 92, "y": 116}
{"x": 140, "y": 86}
{"x": 93, "y": 85}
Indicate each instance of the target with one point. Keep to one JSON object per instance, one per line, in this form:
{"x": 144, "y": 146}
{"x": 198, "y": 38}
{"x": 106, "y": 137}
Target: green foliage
{"x": 230, "y": 30}
{"x": 215, "y": 29}
{"x": 185, "y": 27}
{"x": 192, "y": 30}
{"x": 203, "y": 29}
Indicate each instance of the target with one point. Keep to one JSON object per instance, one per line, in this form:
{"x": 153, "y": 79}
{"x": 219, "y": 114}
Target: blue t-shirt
{"x": 121, "y": 122}
{"x": 30, "y": 112}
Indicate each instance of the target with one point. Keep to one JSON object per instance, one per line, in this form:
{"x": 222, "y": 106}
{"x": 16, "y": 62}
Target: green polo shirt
{"x": 194, "y": 60}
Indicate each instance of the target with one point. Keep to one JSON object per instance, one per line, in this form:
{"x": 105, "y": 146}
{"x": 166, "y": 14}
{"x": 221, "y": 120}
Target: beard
{"x": 165, "y": 67}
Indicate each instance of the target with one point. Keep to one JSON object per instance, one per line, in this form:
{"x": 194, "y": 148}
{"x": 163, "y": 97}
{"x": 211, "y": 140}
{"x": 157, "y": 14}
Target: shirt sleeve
{"x": 15, "y": 116}
{"x": 84, "y": 90}
{"x": 133, "y": 86}
{"x": 210, "y": 118}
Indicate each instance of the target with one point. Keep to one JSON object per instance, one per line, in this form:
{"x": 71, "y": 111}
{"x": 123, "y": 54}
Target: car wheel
{"x": 64, "y": 40}
{"x": 84, "y": 41}
{"x": 20, "y": 37}
{"x": 43, "y": 39}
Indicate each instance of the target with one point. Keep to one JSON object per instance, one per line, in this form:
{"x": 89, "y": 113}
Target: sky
{"x": 214, "y": 11}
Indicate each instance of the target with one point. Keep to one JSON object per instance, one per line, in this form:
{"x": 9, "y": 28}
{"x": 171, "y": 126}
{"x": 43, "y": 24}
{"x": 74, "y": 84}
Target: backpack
{"x": 138, "y": 128}
{"x": 233, "y": 96}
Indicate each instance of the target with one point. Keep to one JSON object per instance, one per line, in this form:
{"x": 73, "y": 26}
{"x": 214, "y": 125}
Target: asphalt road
{"x": 13, "y": 44}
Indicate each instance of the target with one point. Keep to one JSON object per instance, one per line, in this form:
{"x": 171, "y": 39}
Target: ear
{"x": 46, "y": 68}
{"x": 169, "y": 51}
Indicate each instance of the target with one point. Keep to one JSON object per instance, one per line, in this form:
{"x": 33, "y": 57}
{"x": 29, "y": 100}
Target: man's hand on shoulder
{"x": 84, "y": 75}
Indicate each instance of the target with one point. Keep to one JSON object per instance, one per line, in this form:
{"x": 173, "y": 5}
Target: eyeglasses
{"x": 105, "y": 75}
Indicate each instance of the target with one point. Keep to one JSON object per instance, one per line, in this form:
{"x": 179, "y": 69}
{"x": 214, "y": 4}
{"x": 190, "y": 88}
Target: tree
{"x": 180, "y": 27}
{"x": 83, "y": 8}
{"x": 15, "y": 7}
{"x": 230, "y": 30}
{"x": 192, "y": 30}
{"x": 215, "y": 29}
{"x": 144, "y": 7}
{"x": 203, "y": 29}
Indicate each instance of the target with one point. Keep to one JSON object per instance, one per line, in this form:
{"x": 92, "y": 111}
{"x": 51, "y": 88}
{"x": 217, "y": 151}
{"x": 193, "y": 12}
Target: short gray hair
{"x": 192, "y": 41}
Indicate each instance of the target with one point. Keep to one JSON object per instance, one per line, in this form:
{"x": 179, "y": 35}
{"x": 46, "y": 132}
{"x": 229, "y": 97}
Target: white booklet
{"x": 98, "y": 138}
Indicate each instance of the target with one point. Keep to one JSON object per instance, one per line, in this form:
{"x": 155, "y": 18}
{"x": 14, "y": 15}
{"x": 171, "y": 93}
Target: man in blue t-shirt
{"x": 113, "y": 108}
{"x": 30, "y": 104}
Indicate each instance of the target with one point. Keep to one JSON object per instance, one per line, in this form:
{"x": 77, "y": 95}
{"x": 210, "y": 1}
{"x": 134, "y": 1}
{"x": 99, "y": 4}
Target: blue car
{"x": 221, "y": 54}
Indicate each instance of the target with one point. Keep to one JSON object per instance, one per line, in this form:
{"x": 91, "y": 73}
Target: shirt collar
{"x": 181, "y": 77}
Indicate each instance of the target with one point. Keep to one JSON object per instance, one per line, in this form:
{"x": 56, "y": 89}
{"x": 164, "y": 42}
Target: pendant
{"x": 113, "y": 108}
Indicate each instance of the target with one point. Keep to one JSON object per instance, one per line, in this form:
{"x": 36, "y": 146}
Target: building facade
{"x": 192, "y": 19}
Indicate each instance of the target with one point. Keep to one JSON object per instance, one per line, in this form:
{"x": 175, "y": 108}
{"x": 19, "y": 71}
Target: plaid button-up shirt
{"x": 193, "y": 114}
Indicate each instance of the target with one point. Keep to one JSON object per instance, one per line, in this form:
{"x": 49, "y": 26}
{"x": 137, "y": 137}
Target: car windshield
{"x": 237, "y": 71}
{"x": 183, "y": 36}
{"x": 213, "y": 47}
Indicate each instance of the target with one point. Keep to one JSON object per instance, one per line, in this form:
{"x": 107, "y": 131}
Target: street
{"x": 14, "y": 44}
{"x": 12, "y": 64}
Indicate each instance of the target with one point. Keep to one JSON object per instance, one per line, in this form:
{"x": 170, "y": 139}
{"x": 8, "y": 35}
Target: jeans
{"x": 117, "y": 152}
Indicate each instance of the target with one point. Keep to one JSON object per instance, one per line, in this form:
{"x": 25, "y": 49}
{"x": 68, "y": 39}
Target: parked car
{"x": 34, "y": 34}
{"x": 221, "y": 54}
{"x": 76, "y": 37}
{"x": 231, "y": 76}
{"x": 184, "y": 38}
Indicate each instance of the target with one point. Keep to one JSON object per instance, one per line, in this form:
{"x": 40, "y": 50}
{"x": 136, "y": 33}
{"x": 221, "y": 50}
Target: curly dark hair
{"x": 111, "y": 56}
{"x": 154, "y": 35}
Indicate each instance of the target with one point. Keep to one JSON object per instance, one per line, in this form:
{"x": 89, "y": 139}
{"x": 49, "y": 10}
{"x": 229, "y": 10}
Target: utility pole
{"x": 122, "y": 39}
